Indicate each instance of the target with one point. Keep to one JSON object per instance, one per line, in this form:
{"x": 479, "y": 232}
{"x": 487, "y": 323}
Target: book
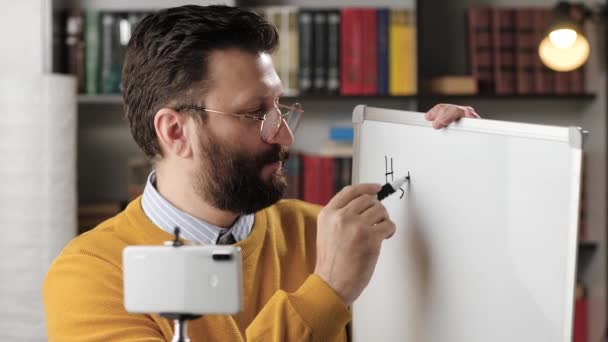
{"x": 351, "y": 82}
{"x": 369, "y": 48}
{"x": 92, "y": 51}
{"x": 74, "y": 42}
{"x": 382, "y": 22}
{"x": 306, "y": 44}
{"x": 481, "y": 63}
{"x": 525, "y": 51}
{"x": 544, "y": 77}
{"x": 333, "y": 52}
{"x": 580, "y": 330}
{"x": 320, "y": 51}
{"x": 110, "y": 55}
{"x": 402, "y": 53}
{"x": 293, "y": 176}
{"x": 503, "y": 35}
{"x": 293, "y": 51}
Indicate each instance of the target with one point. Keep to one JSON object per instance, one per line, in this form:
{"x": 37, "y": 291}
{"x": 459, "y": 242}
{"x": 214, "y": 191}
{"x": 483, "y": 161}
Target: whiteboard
{"x": 486, "y": 240}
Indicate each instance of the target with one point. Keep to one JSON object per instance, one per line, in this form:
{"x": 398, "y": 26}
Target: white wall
{"x": 37, "y": 169}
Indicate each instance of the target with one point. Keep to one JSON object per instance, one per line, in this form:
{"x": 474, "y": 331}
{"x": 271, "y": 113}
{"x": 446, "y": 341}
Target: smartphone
{"x": 190, "y": 279}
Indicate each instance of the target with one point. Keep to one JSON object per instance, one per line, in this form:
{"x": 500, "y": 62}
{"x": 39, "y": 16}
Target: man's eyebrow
{"x": 255, "y": 100}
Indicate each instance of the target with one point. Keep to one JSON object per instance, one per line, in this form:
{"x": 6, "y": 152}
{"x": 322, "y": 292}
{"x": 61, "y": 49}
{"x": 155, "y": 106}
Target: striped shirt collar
{"x": 166, "y": 216}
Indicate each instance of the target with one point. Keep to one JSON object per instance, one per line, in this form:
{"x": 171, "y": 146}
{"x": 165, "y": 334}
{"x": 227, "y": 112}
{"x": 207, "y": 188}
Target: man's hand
{"x": 350, "y": 231}
{"x": 443, "y": 115}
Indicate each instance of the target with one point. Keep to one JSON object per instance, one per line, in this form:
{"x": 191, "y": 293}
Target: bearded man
{"x": 203, "y": 102}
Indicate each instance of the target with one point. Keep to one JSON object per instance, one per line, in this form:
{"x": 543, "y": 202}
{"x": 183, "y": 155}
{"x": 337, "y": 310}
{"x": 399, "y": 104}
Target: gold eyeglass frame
{"x": 295, "y": 108}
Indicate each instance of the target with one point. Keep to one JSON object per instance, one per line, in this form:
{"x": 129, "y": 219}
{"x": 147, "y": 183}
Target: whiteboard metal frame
{"x": 571, "y": 135}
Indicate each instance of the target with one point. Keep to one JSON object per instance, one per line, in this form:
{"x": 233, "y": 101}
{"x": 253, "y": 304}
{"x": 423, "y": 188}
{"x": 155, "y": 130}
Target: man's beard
{"x": 231, "y": 180}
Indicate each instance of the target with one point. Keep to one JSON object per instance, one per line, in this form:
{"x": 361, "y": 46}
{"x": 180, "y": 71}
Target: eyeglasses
{"x": 271, "y": 121}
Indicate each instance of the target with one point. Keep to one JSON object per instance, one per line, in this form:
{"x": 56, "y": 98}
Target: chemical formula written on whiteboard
{"x": 390, "y": 173}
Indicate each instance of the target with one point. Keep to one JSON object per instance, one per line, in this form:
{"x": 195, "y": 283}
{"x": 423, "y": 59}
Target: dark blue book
{"x": 382, "y": 22}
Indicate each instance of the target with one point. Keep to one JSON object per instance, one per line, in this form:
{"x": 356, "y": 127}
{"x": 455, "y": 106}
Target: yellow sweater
{"x": 282, "y": 299}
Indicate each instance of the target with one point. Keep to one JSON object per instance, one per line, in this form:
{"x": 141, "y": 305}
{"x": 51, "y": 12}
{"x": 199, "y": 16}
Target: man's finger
{"x": 384, "y": 230}
{"x": 432, "y": 114}
{"x": 471, "y": 113}
{"x": 375, "y": 214}
{"x": 361, "y": 204}
{"x": 348, "y": 193}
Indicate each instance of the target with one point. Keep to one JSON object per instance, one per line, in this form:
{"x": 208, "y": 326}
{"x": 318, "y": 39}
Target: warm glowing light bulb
{"x": 563, "y": 38}
{"x": 564, "y": 50}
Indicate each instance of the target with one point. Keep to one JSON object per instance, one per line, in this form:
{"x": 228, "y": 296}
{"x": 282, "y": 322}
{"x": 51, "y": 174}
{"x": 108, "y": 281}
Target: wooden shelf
{"x": 117, "y": 98}
{"x": 100, "y": 99}
{"x": 351, "y": 97}
{"x": 588, "y": 96}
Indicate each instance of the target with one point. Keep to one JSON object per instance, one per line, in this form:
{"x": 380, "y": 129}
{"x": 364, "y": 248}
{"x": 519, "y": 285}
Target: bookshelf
{"x": 105, "y": 145}
{"x": 446, "y": 54}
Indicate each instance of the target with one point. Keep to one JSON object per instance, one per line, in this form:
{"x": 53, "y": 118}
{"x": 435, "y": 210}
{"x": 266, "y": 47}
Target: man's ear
{"x": 173, "y": 134}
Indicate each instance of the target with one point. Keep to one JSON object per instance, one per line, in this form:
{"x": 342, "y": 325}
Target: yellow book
{"x": 402, "y": 53}
{"x": 293, "y": 51}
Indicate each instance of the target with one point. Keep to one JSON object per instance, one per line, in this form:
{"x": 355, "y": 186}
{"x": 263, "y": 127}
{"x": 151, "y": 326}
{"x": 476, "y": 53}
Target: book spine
{"x": 306, "y": 51}
{"x": 402, "y": 53}
{"x": 369, "y": 52}
{"x": 292, "y": 52}
{"x": 525, "y": 51}
{"x": 382, "y": 21}
{"x": 272, "y": 14}
{"x": 479, "y": 23}
{"x": 537, "y": 70}
{"x": 320, "y": 51}
{"x": 292, "y": 174}
{"x": 350, "y": 52}
{"x": 504, "y": 51}
{"x": 333, "y": 51}
{"x": 577, "y": 81}
{"x": 580, "y": 331}
{"x": 75, "y": 47}
{"x": 328, "y": 189}
{"x": 92, "y": 52}
{"x": 108, "y": 74}
{"x": 548, "y": 76}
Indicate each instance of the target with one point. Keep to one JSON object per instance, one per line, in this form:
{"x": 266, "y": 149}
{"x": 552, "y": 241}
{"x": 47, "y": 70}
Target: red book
{"x": 580, "y": 332}
{"x": 479, "y": 20}
{"x": 577, "y": 81}
{"x": 504, "y": 50}
{"x": 561, "y": 83}
{"x": 317, "y": 179}
{"x": 351, "y": 31}
{"x": 326, "y": 180}
{"x": 525, "y": 50}
{"x": 369, "y": 52}
{"x": 543, "y": 76}
{"x": 309, "y": 178}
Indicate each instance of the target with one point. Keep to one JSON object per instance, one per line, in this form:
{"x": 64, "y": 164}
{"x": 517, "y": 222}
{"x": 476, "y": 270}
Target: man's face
{"x": 235, "y": 170}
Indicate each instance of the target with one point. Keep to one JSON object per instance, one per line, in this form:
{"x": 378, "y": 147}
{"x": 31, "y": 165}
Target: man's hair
{"x": 168, "y": 55}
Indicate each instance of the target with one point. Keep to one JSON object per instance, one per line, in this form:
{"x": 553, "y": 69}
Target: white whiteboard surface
{"x": 485, "y": 247}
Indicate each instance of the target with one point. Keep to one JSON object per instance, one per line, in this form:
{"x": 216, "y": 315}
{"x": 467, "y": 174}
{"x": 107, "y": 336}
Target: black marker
{"x": 390, "y": 188}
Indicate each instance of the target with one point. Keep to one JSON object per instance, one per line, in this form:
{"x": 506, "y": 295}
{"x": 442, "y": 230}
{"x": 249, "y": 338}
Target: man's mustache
{"x": 277, "y": 153}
